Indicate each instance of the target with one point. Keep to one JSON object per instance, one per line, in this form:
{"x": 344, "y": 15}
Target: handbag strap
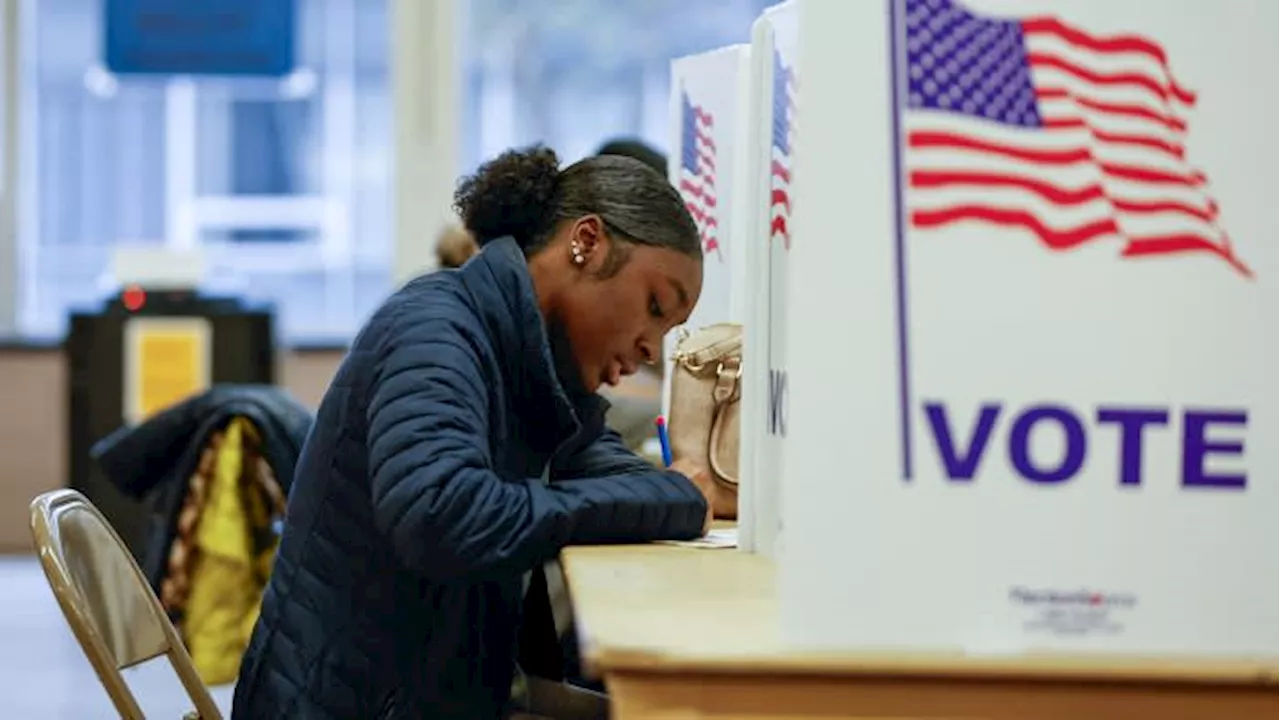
{"x": 727, "y": 390}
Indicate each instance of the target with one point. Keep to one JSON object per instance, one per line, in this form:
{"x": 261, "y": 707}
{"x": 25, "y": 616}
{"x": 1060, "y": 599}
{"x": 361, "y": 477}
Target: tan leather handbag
{"x": 706, "y": 387}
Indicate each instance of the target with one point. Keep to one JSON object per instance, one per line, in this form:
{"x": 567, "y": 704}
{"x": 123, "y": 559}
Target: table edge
{"x": 1031, "y": 667}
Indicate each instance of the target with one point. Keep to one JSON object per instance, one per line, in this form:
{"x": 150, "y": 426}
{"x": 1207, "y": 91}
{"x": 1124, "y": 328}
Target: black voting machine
{"x": 241, "y": 350}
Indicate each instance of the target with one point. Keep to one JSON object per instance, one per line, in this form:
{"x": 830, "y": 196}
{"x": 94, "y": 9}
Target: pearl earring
{"x": 576, "y": 251}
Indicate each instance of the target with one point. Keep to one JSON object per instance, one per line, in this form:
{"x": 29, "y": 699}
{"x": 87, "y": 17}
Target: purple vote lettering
{"x": 1131, "y": 422}
{"x": 961, "y": 464}
{"x": 1020, "y": 445}
{"x": 1196, "y": 446}
{"x": 1206, "y": 435}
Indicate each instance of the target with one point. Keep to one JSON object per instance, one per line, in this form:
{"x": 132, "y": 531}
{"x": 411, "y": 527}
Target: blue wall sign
{"x": 199, "y": 37}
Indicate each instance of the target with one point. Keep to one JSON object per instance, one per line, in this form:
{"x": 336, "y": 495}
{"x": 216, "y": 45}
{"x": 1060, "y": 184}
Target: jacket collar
{"x": 499, "y": 278}
{"x": 137, "y": 457}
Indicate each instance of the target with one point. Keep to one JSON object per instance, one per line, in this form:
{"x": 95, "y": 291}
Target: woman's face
{"x": 615, "y": 323}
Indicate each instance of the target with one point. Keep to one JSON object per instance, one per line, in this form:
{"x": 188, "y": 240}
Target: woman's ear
{"x": 587, "y": 240}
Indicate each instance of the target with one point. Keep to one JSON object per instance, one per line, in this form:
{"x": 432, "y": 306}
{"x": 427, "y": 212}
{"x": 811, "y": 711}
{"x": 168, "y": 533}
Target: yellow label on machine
{"x": 167, "y": 360}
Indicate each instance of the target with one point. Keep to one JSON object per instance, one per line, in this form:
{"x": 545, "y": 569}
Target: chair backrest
{"x": 107, "y": 601}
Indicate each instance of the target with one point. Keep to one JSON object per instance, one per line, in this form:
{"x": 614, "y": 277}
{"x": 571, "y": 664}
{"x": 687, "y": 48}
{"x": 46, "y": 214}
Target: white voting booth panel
{"x": 1033, "y": 362}
{"x": 764, "y": 423}
{"x": 708, "y": 92}
{"x": 710, "y": 99}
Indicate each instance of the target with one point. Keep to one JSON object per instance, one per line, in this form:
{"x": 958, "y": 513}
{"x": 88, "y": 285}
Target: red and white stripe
{"x": 699, "y": 189}
{"x": 780, "y": 174}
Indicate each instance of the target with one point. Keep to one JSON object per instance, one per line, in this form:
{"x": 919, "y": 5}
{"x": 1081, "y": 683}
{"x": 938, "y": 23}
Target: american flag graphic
{"x": 698, "y": 171}
{"x": 784, "y": 107}
{"x": 1033, "y": 123}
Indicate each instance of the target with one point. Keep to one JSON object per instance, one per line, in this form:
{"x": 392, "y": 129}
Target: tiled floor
{"x": 43, "y": 674}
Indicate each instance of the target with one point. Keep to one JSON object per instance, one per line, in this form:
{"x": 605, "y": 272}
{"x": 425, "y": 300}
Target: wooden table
{"x": 692, "y": 633}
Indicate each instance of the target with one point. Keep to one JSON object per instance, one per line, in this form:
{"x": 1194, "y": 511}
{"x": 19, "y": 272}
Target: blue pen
{"x": 664, "y": 440}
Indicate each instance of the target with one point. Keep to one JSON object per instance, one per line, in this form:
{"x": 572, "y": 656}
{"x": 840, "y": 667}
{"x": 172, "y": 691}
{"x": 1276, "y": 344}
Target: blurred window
{"x": 584, "y": 73}
{"x": 285, "y": 183}
{"x": 270, "y": 178}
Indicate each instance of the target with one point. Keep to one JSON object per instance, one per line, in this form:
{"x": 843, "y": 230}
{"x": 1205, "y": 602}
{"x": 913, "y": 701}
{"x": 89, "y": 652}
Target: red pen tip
{"x": 661, "y": 420}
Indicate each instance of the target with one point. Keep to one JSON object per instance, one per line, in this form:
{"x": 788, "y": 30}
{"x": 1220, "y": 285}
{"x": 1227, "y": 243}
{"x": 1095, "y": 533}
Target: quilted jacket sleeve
{"x": 435, "y": 494}
{"x": 646, "y": 501}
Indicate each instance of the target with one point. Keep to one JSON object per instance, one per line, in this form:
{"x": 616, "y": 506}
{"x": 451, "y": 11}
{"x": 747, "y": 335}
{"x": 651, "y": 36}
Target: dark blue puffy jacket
{"x": 418, "y": 506}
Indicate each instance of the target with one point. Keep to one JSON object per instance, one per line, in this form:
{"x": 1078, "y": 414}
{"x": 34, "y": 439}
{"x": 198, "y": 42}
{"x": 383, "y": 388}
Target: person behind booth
{"x": 454, "y": 247}
{"x": 638, "y": 149}
{"x": 461, "y": 445}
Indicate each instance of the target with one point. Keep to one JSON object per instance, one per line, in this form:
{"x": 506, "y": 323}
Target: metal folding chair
{"x": 111, "y": 609}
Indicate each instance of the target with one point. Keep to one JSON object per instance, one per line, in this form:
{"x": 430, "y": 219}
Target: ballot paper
{"x": 716, "y": 539}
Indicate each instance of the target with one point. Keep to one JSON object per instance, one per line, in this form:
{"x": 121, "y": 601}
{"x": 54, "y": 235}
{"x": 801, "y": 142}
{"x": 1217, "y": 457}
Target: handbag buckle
{"x": 681, "y": 356}
{"x": 728, "y": 373}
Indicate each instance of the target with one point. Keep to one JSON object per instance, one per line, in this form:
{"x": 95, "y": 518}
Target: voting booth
{"x": 771, "y": 137}
{"x": 141, "y": 351}
{"x": 709, "y": 96}
{"x": 1032, "y": 367}
{"x": 1009, "y": 428}
{"x": 1009, "y": 422}
{"x": 732, "y": 113}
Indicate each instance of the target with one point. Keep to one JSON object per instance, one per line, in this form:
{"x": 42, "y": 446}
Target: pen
{"x": 664, "y": 440}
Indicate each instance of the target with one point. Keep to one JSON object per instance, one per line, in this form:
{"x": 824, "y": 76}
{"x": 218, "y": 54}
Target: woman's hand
{"x": 701, "y": 479}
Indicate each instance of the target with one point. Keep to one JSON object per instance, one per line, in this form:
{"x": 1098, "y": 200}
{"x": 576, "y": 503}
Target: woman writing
{"x": 461, "y": 445}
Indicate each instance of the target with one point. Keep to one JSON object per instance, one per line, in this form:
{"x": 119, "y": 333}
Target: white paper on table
{"x": 714, "y": 540}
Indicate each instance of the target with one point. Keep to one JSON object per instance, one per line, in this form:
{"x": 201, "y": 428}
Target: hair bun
{"x": 510, "y": 195}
